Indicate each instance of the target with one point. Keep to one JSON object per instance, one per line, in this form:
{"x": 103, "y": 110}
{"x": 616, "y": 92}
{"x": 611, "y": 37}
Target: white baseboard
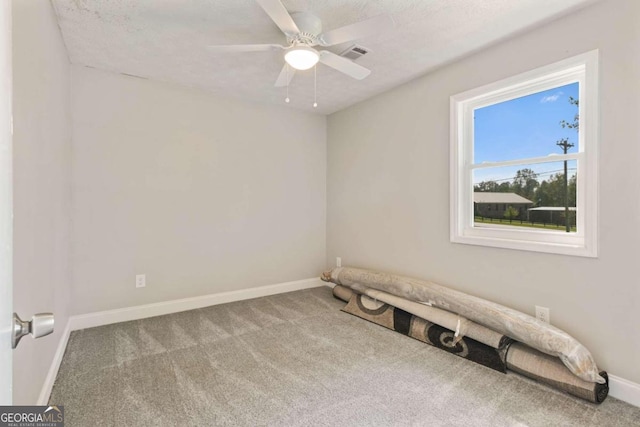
{"x": 45, "y": 392}
{"x": 100, "y": 318}
{"x": 624, "y": 390}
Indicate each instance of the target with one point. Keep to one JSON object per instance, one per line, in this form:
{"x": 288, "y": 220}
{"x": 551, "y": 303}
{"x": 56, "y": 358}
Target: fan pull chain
{"x": 287, "y": 100}
{"x": 315, "y": 86}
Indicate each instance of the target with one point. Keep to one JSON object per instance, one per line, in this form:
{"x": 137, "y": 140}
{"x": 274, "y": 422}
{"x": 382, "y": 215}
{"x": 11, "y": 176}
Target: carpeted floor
{"x": 295, "y": 360}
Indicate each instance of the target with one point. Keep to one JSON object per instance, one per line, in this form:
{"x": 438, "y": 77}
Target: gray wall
{"x": 200, "y": 193}
{"x": 388, "y": 187}
{"x": 42, "y": 184}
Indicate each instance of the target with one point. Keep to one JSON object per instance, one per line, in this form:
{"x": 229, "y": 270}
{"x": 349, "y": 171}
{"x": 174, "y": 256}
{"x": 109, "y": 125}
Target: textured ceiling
{"x": 166, "y": 40}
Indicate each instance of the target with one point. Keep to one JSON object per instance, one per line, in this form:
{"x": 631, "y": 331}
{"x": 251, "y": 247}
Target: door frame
{"x": 6, "y": 204}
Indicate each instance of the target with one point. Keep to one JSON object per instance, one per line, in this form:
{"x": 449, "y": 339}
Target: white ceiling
{"x": 166, "y": 40}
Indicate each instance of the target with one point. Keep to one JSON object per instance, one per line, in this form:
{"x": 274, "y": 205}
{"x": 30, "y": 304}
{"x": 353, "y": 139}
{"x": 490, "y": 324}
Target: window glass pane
{"x": 531, "y": 196}
{"x": 529, "y": 126}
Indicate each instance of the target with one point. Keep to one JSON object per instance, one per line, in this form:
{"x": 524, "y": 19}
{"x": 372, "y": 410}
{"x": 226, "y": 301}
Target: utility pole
{"x": 565, "y": 145}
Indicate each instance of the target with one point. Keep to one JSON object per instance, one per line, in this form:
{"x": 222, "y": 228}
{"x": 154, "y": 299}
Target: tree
{"x": 525, "y": 183}
{"x": 486, "y": 186}
{"x": 576, "y": 119}
{"x": 504, "y": 187}
{"x": 573, "y": 189}
{"x": 510, "y": 213}
{"x": 493, "y": 187}
{"x": 550, "y": 192}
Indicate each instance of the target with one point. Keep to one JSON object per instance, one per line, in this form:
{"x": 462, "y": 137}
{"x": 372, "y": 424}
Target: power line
{"x": 537, "y": 174}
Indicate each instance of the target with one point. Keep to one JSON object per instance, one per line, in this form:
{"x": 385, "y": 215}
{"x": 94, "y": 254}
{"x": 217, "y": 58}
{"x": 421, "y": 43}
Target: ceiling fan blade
{"x": 358, "y": 30}
{"x": 344, "y": 65}
{"x": 233, "y": 48}
{"x": 286, "y": 74}
{"x": 279, "y": 14}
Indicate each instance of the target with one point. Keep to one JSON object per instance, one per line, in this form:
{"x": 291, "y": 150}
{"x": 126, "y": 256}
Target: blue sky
{"x": 523, "y": 128}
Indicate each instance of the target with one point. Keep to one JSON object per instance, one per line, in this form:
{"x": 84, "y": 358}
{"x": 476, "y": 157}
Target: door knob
{"x": 41, "y": 324}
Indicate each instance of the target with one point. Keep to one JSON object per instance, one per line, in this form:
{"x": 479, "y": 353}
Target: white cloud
{"x": 551, "y": 98}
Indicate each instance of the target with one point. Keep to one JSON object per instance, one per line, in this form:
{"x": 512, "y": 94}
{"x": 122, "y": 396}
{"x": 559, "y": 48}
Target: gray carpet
{"x": 295, "y": 360}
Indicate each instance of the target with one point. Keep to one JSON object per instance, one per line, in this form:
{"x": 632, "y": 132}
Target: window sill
{"x": 573, "y": 249}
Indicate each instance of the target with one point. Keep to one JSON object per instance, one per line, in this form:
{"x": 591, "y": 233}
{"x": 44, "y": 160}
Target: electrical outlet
{"x": 141, "y": 280}
{"x": 542, "y": 313}
{"x": 338, "y": 262}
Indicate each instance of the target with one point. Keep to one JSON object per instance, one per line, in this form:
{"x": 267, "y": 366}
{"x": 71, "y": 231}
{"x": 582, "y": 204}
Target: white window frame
{"x": 582, "y": 69}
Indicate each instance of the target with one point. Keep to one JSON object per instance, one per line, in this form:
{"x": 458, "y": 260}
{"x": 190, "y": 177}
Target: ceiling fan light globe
{"x": 302, "y": 57}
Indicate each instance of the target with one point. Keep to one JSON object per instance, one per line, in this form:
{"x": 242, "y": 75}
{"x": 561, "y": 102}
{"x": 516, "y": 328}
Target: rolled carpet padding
{"x": 512, "y": 323}
{"x": 549, "y": 370}
{"x": 440, "y": 317}
{"x": 406, "y": 323}
{"x": 342, "y": 292}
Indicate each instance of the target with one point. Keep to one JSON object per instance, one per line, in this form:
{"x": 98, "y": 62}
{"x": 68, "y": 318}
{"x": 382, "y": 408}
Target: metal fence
{"x": 539, "y": 219}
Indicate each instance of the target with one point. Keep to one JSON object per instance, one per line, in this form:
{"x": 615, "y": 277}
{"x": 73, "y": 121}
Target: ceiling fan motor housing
{"x": 310, "y": 27}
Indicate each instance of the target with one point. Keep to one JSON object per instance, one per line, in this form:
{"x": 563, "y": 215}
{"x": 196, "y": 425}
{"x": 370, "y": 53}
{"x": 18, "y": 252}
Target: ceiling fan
{"x": 303, "y": 31}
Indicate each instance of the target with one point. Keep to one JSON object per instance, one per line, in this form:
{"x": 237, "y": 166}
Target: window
{"x": 528, "y": 143}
